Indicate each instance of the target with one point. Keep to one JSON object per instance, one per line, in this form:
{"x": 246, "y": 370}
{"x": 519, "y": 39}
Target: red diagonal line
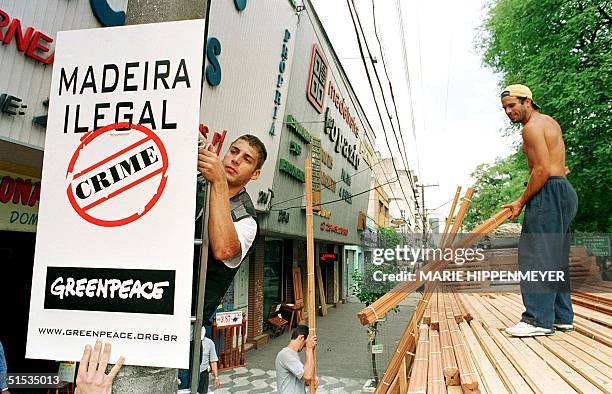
{"x": 124, "y": 188}
{"x": 122, "y": 151}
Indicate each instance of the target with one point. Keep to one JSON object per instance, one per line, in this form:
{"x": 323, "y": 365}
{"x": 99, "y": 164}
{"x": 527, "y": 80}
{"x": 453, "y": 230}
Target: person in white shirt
{"x": 291, "y": 375}
{"x": 209, "y": 362}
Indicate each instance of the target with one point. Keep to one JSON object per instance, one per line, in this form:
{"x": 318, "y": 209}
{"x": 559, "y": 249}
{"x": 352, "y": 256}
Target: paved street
{"x": 343, "y": 362}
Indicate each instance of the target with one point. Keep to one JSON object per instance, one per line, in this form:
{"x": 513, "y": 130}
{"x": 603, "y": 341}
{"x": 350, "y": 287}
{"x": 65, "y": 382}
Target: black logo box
{"x": 162, "y": 306}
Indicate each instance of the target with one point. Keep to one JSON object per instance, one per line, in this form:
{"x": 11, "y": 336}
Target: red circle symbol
{"x": 111, "y": 185}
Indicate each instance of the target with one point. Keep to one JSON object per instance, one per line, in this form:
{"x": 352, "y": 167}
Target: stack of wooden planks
{"x": 453, "y": 354}
{"x": 455, "y": 341}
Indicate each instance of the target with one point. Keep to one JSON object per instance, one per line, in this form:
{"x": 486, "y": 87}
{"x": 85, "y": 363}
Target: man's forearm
{"x": 539, "y": 176}
{"x": 222, "y": 235}
{"x": 309, "y": 365}
{"x": 213, "y": 366}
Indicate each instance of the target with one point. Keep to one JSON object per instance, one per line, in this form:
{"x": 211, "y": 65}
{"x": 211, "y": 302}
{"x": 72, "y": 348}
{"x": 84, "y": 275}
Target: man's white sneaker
{"x": 563, "y": 327}
{"x": 522, "y": 329}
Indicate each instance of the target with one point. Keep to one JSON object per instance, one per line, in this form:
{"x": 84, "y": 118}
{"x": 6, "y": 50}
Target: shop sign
{"x": 316, "y": 173}
{"x": 341, "y": 144}
{"x": 343, "y": 108}
{"x": 34, "y": 44}
{"x": 324, "y": 213}
{"x": 106, "y": 15}
{"x": 280, "y": 80}
{"x": 328, "y": 182}
{"x": 598, "y": 245}
{"x": 327, "y": 159}
{"x": 298, "y": 129}
{"x": 283, "y": 216}
{"x": 377, "y": 349}
{"x": 328, "y": 257}
{"x": 291, "y": 170}
{"x": 317, "y": 78}
{"x": 334, "y": 228}
{"x": 224, "y": 319}
{"x": 109, "y": 196}
{"x": 346, "y": 195}
{"x": 11, "y": 105}
{"x": 19, "y": 196}
{"x": 294, "y": 148}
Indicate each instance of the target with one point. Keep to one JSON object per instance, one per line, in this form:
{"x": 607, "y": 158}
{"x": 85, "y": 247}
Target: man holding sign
{"x": 232, "y": 227}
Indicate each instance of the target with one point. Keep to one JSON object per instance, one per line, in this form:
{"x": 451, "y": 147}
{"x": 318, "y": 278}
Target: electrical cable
{"x": 374, "y": 96}
{"x": 339, "y": 199}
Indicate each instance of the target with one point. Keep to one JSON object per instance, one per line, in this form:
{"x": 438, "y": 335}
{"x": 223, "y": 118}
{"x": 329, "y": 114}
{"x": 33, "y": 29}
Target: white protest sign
{"x": 114, "y": 244}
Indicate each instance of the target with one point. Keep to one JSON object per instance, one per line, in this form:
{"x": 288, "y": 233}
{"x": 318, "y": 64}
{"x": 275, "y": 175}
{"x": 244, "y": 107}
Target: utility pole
{"x": 424, "y": 240}
{"x": 135, "y": 379}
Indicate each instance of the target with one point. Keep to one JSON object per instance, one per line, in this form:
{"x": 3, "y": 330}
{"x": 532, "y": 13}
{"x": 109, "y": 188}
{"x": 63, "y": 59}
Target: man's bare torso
{"x": 541, "y": 123}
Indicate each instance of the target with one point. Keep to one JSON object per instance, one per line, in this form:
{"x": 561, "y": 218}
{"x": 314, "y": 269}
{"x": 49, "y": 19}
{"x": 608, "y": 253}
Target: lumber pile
{"x": 455, "y": 341}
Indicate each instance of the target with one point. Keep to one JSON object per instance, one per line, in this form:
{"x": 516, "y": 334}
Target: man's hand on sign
{"x": 210, "y": 165}
{"x": 92, "y": 377}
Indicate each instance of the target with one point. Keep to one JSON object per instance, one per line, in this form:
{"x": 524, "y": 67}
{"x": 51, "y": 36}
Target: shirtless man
{"x": 550, "y": 204}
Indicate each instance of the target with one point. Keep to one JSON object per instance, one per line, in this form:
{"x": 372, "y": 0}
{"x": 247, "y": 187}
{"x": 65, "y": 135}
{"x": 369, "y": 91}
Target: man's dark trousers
{"x": 544, "y": 246}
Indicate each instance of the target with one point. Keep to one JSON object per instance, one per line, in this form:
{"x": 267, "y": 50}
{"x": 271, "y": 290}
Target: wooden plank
{"x": 310, "y": 258}
{"x": 591, "y": 374}
{"x": 435, "y": 380}
{"x": 491, "y": 381}
{"x": 538, "y": 382}
{"x": 467, "y": 371}
{"x": 589, "y": 359}
{"x": 594, "y": 305}
{"x": 322, "y": 300}
{"x": 573, "y": 378}
{"x": 449, "y": 219}
{"x": 593, "y": 315}
{"x": 402, "y": 373}
{"x": 467, "y": 199}
{"x": 540, "y": 369}
{"x": 407, "y": 344}
{"x": 418, "y": 376}
{"x": 449, "y": 361}
{"x": 435, "y": 315}
{"x": 591, "y": 344}
{"x": 506, "y": 370}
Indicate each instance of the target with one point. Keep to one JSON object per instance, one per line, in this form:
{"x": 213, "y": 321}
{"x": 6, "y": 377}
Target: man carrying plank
{"x": 550, "y": 204}
{"x": 291, "y": 375}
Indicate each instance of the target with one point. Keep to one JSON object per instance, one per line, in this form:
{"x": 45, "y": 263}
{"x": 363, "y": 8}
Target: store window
{"x": 273, "y": 267}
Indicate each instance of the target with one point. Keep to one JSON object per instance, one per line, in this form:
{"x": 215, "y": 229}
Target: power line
{"x": 343, "y": 76}
{"x": 374, "y": 95}
{"x": 407, "y": 72}
{"x": 339, "y": 199}
{"x": 392, "y": 96}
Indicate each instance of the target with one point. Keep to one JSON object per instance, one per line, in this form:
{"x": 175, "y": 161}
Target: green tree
{"x": 562, "y": 50}
{"x": 496, "y": 184}
{"x": 367, "y": 290}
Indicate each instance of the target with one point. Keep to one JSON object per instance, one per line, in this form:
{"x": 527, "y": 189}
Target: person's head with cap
{"x": 518, "y": 103}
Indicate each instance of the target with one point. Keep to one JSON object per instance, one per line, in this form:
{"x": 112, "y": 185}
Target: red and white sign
{"x": 116, "y": 218}
{"x": 231, "y": 318}
{"x": 102, "y": 172}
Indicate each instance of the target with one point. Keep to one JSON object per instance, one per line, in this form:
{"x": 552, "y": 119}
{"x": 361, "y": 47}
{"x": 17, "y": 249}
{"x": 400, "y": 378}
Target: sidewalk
{"x": 343, "y": 361}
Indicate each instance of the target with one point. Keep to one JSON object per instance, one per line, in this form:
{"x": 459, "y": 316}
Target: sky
{"x": 455, "y": 99}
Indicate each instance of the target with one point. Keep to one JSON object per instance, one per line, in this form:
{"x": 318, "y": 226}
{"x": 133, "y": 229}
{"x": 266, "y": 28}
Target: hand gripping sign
{"x": 114, "y": 179}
